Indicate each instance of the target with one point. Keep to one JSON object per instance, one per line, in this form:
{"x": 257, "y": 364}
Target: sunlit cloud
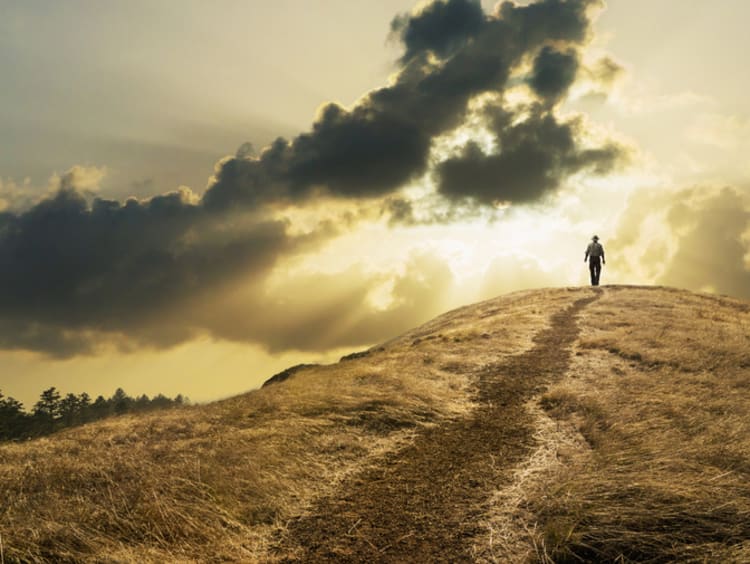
{"x": 694, "y": 238}
{"x": 14, "y": 195}
{"x": 727, "y": 132}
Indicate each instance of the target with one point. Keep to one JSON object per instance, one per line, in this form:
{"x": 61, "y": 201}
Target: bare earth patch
{"x": 424, "y": 503}
{"x": 647, "y": 442}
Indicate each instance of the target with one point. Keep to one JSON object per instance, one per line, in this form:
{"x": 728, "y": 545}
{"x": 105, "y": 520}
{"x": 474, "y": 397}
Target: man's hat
{"x": 595, "y": 237}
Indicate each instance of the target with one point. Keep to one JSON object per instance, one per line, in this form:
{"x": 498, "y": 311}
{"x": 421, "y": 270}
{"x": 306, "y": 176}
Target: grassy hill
{"x": 629, "y": 441}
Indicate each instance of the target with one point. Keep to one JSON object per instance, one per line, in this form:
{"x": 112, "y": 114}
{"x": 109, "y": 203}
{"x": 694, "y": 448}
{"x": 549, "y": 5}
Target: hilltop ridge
{"x": 549, "y": 425}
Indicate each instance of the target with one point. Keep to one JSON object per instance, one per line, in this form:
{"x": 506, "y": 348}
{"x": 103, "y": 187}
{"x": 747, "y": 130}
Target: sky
{"x": 195, "y": 195}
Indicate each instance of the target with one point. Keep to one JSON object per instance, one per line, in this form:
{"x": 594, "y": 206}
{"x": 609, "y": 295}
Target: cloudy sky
{"x": 194, "y": 195}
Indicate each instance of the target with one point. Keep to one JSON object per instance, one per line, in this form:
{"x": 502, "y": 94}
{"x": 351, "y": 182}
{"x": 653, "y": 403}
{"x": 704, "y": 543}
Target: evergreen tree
{"x": 121, "y": 402}
{"x": 12, "y": 418}
{"x": 84, "y": 406}
{"x": 161, "y": 401}
{"x": 70, "y": 410}
{"x": 53, "y": 412}
{"x": 100, "y": 408}
{"x": 143, "y": 403}
{"x": 49, "y": 403}
{"x": 47, "y": 410}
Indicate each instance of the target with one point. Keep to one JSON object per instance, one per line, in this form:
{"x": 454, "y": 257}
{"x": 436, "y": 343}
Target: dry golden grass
{"x": 643, "y": 449}
{"x": 658, "y": 398}
{"x": 216, "y": 482}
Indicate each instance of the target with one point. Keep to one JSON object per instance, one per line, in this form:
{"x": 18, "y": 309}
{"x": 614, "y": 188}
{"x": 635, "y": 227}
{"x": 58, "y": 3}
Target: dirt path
{"x": 423, "y": 503}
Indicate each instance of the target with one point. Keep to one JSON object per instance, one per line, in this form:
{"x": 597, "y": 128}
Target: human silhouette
{"x": 595, "y": 256}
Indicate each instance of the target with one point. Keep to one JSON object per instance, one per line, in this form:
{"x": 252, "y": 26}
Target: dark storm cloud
{"x": 156, "y": 273}
{"x": 442, "y": 27}
{"x": 547, "y": 20}
{"x": 535, "y": 155}
{"x": 78, "y": 270}
{"x": 554, "y": 71}
{"x": 359, "y": 153}
{"x": 52, "y": 340}
{"x": 453, "y": 52}
{"x": 70, "y": 267}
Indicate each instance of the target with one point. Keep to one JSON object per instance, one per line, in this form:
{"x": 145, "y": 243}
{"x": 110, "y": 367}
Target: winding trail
{"x": 423, "y": 503}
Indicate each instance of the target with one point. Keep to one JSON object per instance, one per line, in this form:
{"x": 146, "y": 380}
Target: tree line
{"x": 54, "y": 411}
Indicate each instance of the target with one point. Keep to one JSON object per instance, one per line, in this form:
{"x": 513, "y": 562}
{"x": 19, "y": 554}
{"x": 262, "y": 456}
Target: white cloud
{"x": 727, "y": 132}
{"x": 638, "y": 99}
{"x": 83, "y": 178}
{"x": 18, "y": 196}
{"x": 15, "y": 195}
{"x": 696, "y": 238}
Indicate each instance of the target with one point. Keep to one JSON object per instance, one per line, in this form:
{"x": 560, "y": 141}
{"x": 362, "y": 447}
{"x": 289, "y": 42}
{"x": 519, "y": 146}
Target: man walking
{"x": 595, "y": 256}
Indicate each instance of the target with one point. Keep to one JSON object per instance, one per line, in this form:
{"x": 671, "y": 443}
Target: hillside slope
{"x": 549, "y": 425}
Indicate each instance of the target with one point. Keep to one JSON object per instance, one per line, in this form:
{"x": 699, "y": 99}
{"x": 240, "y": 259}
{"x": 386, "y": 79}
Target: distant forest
{"x": 54, "y": 412}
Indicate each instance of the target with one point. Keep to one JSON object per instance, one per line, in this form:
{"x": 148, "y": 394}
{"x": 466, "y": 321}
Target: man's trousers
{"x": 595, "y": 267}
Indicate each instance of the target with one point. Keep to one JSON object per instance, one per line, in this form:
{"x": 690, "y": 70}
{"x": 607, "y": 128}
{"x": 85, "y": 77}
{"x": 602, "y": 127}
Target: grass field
{"x": 219, "y": 481}
{"x": 644, "y": 447}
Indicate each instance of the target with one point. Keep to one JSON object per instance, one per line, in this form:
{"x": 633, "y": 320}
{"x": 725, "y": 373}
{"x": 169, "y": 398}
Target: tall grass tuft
{"x": 660, "y": 396}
